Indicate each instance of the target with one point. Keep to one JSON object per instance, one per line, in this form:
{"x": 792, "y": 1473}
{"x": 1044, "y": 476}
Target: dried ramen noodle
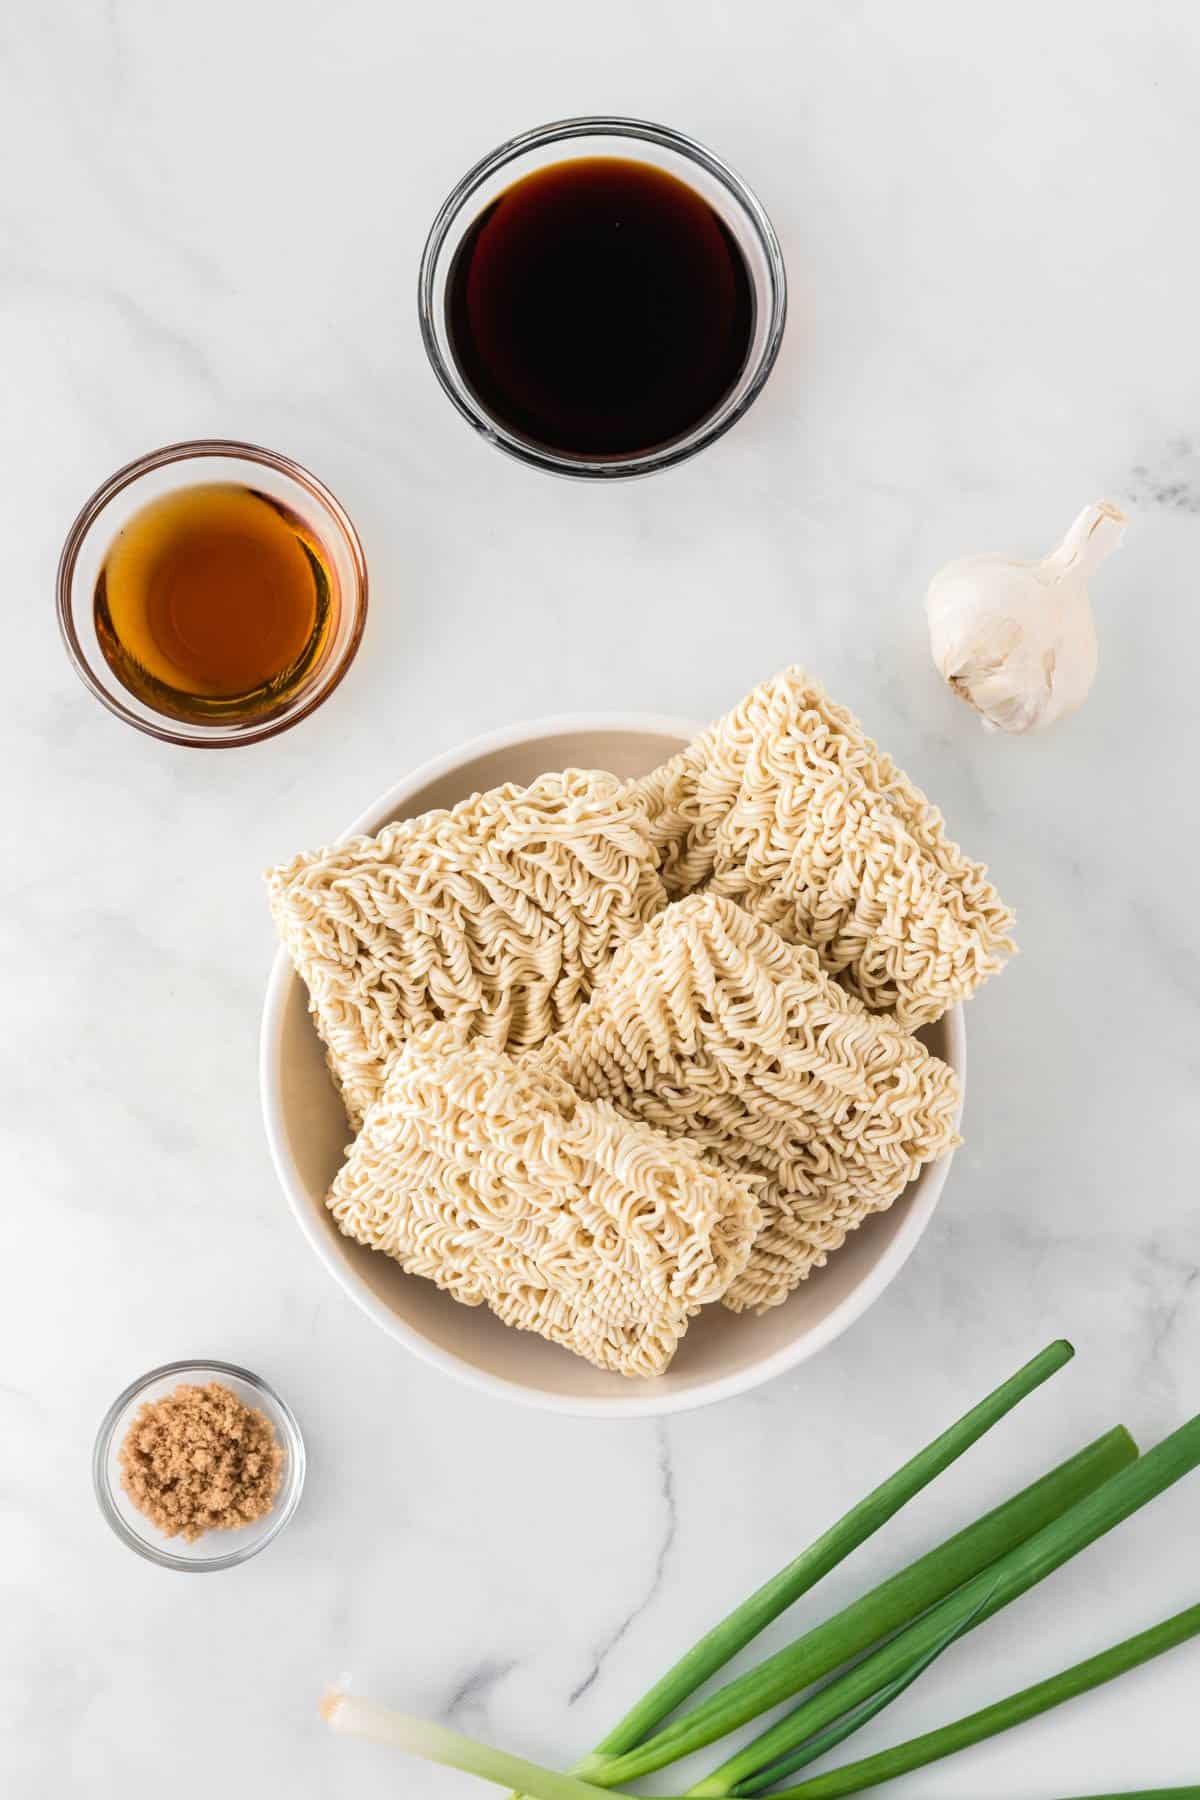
{"x": 498, "y": 1183}
{"x": 787, "y": 807}
{"x": 709, "y": 1026}
{"x": 495, "y": 917}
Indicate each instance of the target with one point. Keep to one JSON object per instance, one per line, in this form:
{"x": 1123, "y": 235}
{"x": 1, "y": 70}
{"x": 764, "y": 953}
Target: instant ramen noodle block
{"x": 494, "y": 917}
{"x": 496, "y": 1181}
{"x": 788, "y": 807}
{"x": 711, "y": 1027}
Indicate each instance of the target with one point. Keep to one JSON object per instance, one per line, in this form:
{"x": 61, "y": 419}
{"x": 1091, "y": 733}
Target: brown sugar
{"x": 200, "y": 1460}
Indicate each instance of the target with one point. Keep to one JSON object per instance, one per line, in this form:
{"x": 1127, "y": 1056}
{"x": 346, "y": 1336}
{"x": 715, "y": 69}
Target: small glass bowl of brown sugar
{"x": 198, "y": 1465}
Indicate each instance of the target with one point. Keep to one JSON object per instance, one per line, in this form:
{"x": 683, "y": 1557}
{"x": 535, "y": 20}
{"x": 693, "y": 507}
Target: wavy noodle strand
{"x": 495, "y": 916}
{"x": 787, "y": 807}
{"x": 709, "y": 1026}
{"x": 496, "y": 1181}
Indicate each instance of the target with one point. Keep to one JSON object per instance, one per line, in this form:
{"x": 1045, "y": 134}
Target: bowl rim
{"x": 923, "y": 1197}
{"x": 281, "y": 1513}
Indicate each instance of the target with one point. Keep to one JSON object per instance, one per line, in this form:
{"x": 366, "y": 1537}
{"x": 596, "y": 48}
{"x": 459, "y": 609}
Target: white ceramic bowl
{"x": 723, "y": 1353}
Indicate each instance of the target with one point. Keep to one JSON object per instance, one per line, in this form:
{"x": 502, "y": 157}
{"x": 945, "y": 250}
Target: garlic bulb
{"x": 1016, "y": 640}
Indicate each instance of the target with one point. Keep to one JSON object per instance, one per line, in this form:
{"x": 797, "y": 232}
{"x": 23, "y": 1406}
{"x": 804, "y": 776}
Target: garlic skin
{"x": 1016, "y": 640}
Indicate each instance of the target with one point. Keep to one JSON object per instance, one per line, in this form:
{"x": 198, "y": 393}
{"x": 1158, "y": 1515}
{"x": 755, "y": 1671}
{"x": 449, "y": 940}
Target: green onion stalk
{"x": 435, "y": 1743}
{"x": 745, "y": 1622}
{"x": 884, "y": 1609}
{"x": 974, "y": 1602}
{"x": 1003, "y": 1715}
{"x": 880, "y": 1676}
{"x": 814, "y": 1748}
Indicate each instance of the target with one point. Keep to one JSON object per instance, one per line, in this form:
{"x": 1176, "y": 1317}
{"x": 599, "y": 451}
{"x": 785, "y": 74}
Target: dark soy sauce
{"x": 600, "y": 308}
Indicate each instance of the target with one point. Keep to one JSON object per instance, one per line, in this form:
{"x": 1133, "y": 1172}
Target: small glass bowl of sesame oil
{"x": 212, "y": 593}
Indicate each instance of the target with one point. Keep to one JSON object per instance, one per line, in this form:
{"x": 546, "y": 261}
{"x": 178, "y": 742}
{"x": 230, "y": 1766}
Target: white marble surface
{"x": 210, "y": 220}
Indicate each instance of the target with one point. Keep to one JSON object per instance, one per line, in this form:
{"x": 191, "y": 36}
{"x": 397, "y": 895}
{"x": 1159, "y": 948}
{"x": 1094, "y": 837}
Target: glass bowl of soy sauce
{"x": 212, "y": 593}
{"x": 602, "y": 297}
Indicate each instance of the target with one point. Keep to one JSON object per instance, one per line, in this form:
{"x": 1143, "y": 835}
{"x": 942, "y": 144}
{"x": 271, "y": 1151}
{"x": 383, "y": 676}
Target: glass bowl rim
{"x": 184, "y": 451}
{"x": 643, "y": 131}
{"x": 289, "y": 1498}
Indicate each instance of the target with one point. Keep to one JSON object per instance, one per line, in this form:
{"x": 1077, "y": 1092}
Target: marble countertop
{"x": 210, "y": 224}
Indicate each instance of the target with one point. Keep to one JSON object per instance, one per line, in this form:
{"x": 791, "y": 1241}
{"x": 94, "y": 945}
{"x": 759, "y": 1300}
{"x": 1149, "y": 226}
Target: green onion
{"x": 884, "y": 1609}
{"x": 348, "y": 1714}
{"x": 851, "y": 1721}
{"x": 816, "y": 1747}
{"x": 735, "y": 1631}
{"x": 745, "y": 1622}
{"x": 434, "y": 1743}
{"x": 984, "y": 1595}
{"x": 1003, "y": 1715}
